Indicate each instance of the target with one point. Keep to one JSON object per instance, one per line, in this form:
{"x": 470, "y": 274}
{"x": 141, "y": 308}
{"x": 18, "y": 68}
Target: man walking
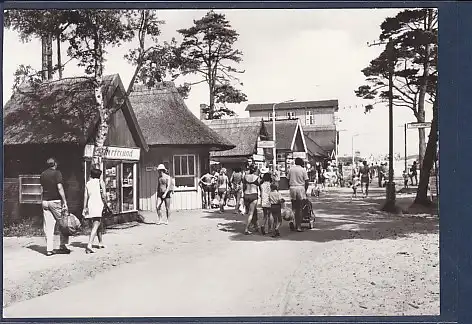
{"x": 54, "y": 206}
{"x": 364, "y": 174}
{"x": 414, "y": 173}
{"x": 163, "y": 194}
{"x": 206, "y": 186}
{"x": 298, "y": 183}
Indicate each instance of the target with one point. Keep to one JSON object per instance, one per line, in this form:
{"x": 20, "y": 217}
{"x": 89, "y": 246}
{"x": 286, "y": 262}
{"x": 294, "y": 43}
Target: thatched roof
{"x": 314, "y": 149}
{"x": 165, "y": 119}
{"x": 325, "y": 139}
{"x": 294, "y": 105}
{"x": 60, "y": 111}
{"x": 285, "y": 130}
{"x": 243, "y": 132}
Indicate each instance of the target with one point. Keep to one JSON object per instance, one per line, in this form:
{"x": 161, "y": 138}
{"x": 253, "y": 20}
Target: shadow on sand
{"x": 338, "y": 217}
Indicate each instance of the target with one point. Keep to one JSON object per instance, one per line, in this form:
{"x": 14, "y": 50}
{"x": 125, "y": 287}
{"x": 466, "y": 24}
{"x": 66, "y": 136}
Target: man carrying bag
{"x": 54, "y": 207}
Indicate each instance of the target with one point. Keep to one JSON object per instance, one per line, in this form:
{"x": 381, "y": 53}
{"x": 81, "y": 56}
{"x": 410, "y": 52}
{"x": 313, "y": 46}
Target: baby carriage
{"x": 308, "y": 215}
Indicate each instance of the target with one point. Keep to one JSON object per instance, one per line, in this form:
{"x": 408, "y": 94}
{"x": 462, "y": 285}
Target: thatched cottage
{"x": 60, "y": 119}
{"x": 245, "y": 133}
{"x": 176, "y": 138}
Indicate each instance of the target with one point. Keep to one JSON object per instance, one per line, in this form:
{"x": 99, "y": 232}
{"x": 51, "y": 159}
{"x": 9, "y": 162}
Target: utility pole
{"x": 390, "y": 202}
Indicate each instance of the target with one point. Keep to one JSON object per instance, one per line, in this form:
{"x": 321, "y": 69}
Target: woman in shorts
{"x": 250, "y": 187}
{"x": 223, "y": 186}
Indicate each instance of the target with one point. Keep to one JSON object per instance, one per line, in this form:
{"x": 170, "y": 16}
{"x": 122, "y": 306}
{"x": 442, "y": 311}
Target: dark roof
{"x": 243, "y": 132}
{"x": 285, "y": 130}
{"x": 325, "y": 139}
{"x": 314, "y": 149}
{"x": 60, "y": 111}
{"x": 165, "y": 119}
{"x": 294, "y": 105}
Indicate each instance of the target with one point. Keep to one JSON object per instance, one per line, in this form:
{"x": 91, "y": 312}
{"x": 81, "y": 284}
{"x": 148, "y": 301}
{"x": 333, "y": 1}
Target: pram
{"x": 308, "y": 215}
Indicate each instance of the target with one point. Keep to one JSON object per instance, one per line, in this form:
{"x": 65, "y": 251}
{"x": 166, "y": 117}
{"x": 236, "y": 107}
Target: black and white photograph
{"x": 220, "y": 162}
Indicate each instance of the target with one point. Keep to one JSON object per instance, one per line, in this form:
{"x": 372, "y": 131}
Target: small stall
{"x": 120, "y": 173}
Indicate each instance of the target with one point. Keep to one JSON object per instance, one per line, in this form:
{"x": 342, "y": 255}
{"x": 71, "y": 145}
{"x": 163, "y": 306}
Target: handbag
{"x": 231, "y": 201}
{"x": 69, "y": 224}
{"x": 106, "y": 211}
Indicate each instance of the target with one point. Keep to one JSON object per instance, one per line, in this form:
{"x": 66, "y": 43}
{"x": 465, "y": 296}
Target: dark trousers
{"x": 297, "y": 209}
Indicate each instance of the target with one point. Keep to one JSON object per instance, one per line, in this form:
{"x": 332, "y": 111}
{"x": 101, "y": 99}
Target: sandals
{"x": 88, "y": 250}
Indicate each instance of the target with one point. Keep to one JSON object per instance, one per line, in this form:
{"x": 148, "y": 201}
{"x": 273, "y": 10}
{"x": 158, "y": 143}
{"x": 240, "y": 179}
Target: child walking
{"x": 355, "y": 185}
{"x": 275, "y": 200}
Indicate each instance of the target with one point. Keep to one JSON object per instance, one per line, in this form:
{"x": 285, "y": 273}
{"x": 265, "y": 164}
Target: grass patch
{"x": 26, "y": 228}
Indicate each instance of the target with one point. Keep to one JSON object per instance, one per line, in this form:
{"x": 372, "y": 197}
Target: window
{"x": 291, "y": 114}
{"x": 30, "y": 189}
{"x": 309, "y": 118}
{"x": 184, "y": 171}
{"x": 270, "y": 116}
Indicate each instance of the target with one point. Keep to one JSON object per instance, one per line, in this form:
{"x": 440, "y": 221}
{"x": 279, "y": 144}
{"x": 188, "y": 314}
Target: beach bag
{"x": 215, "y": 202}
{"x": 69, "y": 224}
{"x": 231, "y": 201}
{"x": 242, "y": 207}
{"x": 106, "y": 212}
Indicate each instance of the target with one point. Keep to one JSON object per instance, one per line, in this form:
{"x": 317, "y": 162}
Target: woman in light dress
{"x": 94, "y": 199}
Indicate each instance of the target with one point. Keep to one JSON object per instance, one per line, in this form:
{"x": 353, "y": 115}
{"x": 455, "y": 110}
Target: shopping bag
{"x": 242, "y": 207}
{"x": 106, "y": 212}
{"x": 69, "y": 224}
{"x": 215, "y": 202}
{"x": 231, "y": 202}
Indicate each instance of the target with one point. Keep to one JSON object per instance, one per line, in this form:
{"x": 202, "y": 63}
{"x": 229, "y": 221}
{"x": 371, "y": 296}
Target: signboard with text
{"x": 265, "y": 144}
{"x": 115, "y": 153}
{"x": 418, "y": 125}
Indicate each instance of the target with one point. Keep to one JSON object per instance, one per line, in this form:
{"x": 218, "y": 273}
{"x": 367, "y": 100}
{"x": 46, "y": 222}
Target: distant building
{"x": 317, "y": 119}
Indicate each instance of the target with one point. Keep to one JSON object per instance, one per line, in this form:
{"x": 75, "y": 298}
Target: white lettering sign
{"x": 114, "y": 153}
{"x": 418, "y": 125}
{"x": 257, "y": 157}
{"x": 301, "y": 155}
{"x": 265, "y": 144}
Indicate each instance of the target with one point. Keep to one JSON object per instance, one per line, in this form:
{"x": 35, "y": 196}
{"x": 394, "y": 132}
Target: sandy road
{"x": 353, "y": 263}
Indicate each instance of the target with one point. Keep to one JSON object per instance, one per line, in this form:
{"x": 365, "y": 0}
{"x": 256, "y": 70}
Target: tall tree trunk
{"x": 424, "y": 87}
{"x": 44, "y": 58}
{"x": 49, "y": 56}
{"x": 212, "y": 94}
{"x": 102, "y": 131}
{"x": 59, "y": 60}
{"x": 429, "y": 159}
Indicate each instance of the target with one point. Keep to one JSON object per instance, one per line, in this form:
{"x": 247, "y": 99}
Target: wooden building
{"x": 245, "y": 133}
{"x": 60, "y": 119}
{"x": 289, "y": 143}
{"x": 177, "y": 139}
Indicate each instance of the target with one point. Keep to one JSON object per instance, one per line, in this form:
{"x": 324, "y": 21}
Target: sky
{"x": 304, "y": 55}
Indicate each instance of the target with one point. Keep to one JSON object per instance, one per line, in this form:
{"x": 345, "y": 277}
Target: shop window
{"x": 184, "y": 171}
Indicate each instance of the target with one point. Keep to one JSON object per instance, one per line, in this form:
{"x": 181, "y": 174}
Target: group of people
{"x": 258, "y": 186}
{"x": 54, "y": 205}
{"x": 413, "y": 174}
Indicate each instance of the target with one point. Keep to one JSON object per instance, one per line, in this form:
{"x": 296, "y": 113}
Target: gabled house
{"x": 289, "y": 142}
{"x": 60, "y": 119}
{"x": 317, "y": 119}
{"x": 177, "y": 139}
{"x": 245, "y": 133}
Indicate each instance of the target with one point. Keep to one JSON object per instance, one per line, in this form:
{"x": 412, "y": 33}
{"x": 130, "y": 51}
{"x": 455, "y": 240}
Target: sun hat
{"x": 161, "y": 167}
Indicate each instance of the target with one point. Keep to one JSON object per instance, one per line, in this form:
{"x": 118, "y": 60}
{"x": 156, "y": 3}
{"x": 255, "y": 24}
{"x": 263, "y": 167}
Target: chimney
{"x": 203, "y": 115}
